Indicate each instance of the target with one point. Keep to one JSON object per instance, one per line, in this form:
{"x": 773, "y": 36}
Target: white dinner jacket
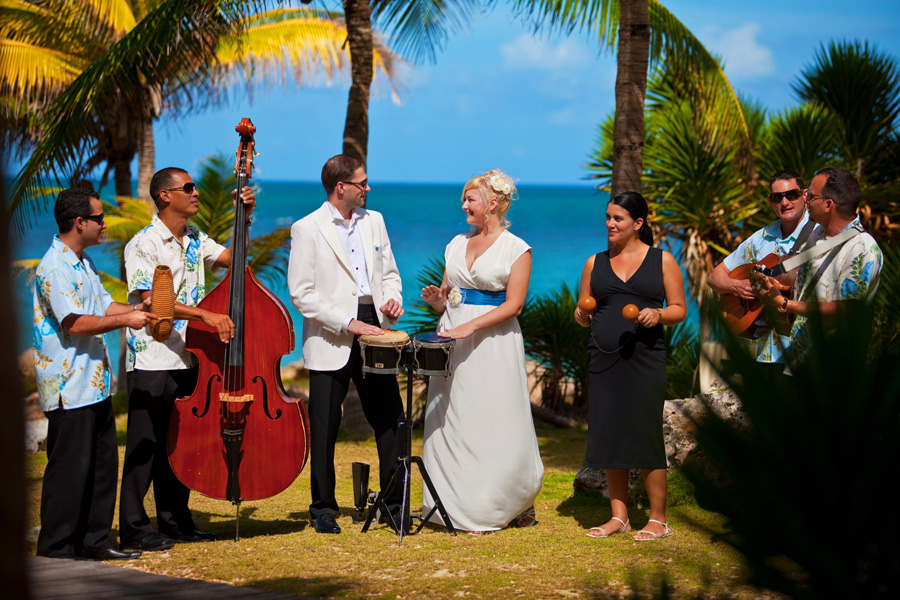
{"x": 323, "y": 287}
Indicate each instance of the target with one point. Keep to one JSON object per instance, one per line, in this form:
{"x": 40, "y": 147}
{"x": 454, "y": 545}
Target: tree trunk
{"x": 358, "y": 15}
{"x": 13, "y": 568}
{"x": 146, "y": 160}
{"x": 631, "y": 87}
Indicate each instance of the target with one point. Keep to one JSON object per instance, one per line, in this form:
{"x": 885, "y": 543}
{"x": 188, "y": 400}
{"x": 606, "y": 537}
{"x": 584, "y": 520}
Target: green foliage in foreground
{"x": 812, "y": 478}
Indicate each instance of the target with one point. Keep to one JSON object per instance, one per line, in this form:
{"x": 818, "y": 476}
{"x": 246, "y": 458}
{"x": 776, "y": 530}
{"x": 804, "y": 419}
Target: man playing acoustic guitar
{"x": 788, "y": 199}
{"x": 847, "y": 271}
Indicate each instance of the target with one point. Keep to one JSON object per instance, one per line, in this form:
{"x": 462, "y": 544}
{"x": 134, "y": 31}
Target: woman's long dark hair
{"x": 637, "y": 208}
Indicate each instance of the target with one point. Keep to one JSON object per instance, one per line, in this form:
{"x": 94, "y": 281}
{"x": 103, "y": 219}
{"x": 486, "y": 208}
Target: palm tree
{"x": 125, "y": 61}
{"x": 647, "y": 32}
{"x": 858, "y": 88}
{"x": 695, "y": 183}
{"x": 416, "y": 26}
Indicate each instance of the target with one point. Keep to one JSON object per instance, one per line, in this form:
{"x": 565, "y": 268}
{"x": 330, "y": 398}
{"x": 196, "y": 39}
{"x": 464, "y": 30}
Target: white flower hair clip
{"x": 501, "y": 184}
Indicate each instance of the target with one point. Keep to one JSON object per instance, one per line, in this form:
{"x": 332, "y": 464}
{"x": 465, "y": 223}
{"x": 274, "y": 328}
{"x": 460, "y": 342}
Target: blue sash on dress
{"x": 471, "y": 296}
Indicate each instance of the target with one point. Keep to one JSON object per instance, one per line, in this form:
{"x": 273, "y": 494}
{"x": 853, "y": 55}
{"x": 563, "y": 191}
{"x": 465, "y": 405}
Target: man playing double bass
{"x": 343, "y": 279}
{"x": 788, "y": 199}
{"x": 161, "y": 372}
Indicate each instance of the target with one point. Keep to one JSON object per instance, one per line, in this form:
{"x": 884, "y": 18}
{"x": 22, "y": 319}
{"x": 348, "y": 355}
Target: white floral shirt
{"x": 851, "y": 275}
{"x": 72, "y": 371}
{"x": 156, "y": 245}
{"x": 763, "y": 242}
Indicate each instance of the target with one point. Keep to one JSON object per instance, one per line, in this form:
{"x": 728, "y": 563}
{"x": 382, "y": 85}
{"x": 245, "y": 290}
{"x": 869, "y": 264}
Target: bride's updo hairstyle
{"x": 637, "y": 208}
{"x": 497, "y": 185}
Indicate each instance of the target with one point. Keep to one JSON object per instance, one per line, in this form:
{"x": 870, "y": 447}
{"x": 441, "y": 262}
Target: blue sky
{"x": 500, "y": 96}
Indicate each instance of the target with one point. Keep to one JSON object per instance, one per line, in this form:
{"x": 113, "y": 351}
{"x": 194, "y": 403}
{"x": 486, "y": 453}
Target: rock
{"x": 36, "y": 435}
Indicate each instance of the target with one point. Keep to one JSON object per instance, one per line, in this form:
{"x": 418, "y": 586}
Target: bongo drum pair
{"x": 384, "y": 353}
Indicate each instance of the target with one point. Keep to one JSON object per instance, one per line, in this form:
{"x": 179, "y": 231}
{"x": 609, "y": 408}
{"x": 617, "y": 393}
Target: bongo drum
{"x": 433, "y": 354}
{"x": 383, "y": 353}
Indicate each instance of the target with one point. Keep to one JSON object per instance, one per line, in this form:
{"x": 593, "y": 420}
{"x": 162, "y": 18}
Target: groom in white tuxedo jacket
{"x": 344, "y": 281}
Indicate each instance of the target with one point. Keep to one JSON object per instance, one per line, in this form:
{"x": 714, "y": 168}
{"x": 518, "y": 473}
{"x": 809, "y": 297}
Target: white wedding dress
{"x": 480, "y": 447}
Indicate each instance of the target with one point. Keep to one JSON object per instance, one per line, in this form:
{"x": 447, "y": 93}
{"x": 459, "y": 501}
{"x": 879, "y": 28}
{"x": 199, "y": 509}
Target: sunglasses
{"x": 187, "y": 188}
{"x": 98, "y": 219}
{"x": 776, "y": 197}
{"x": 360, "y": 184}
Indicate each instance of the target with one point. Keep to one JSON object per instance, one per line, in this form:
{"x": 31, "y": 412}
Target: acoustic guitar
{"x": 746, "y": 317}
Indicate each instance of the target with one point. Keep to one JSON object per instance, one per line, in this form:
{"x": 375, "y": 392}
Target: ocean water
{"x": 563, "y": 225}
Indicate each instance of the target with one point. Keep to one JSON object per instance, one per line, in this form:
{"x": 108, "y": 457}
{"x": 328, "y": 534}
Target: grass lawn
{"x": 279, "y": 551}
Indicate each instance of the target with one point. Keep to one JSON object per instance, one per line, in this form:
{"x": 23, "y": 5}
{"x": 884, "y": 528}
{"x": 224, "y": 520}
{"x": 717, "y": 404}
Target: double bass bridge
{"x": 226, "y": 397}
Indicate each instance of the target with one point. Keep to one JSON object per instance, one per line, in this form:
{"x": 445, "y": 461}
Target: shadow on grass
{"x": 562, "y": 449}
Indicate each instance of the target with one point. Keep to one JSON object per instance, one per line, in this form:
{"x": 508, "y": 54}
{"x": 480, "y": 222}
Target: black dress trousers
{"x": 381, "y": 403}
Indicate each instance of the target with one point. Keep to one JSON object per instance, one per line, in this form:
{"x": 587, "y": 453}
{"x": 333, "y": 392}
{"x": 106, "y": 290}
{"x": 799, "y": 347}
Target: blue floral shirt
{"x": 763, "y": 242}
{"x": 156, "y": 245}
{"x": 72, "y": 371}
{"x": 851, "y": 275}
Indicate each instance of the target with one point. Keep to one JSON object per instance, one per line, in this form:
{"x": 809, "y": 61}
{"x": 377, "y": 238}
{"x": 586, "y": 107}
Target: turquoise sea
{"x": 564, "y": 225}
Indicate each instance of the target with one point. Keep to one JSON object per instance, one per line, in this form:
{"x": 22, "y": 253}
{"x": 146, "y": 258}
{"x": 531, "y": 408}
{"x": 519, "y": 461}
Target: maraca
{"x": 587, "y": 303}
{"x": 630, "y": 312}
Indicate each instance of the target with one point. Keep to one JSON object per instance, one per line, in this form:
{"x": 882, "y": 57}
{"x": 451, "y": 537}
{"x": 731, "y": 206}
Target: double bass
{"x": 238, "y": 436}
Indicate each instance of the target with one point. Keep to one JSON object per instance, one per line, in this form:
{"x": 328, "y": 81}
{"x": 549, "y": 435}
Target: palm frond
{"x": 172, "y": 45}
{"x": 270, "y": 44}
{"x": 117, "y": 288}
{"x": 860, "y": 87}
{"x": 117, "y": 14}
{"x": 800, "y": 138}
{"x": 127, "y": 217}
{"x": 268, "y": 256}
{"x": 421, "y": 318}
{"x": 216, "y": 214}
{"x": 419, "y": 28}
{"x": 594, "y": 17}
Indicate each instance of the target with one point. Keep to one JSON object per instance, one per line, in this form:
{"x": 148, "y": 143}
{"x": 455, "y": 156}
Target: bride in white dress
{"x": 480, "y": 447}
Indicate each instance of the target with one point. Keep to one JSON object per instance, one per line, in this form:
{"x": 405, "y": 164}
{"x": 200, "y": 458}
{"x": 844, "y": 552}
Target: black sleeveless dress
{"x": 626, "y": 369}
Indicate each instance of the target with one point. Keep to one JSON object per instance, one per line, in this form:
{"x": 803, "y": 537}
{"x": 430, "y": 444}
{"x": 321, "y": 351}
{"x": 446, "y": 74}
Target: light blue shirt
{"x": 852, "y": 274}
{"x": 763, "y": 242}
{"x": 72, "y": 371}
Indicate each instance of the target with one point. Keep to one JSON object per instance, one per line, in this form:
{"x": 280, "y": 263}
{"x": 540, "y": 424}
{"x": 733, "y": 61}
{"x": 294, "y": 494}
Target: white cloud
{"x": 527, "y": 52}
{"x": 745, "y": 57}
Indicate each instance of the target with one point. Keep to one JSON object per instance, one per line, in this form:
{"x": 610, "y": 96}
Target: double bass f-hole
{"x": 209, "y": 386}
{"x": 265, "y": 397}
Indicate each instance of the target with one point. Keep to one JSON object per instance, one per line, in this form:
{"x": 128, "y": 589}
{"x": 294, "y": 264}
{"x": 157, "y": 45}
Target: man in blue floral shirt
{"x": 847, "y": 272}
{"x": 161, "y": 372}
{"x": 788, "y": 199}
{"x": 72, "y": 311}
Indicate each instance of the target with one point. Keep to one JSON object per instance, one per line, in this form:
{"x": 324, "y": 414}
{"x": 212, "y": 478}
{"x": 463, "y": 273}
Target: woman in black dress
{"x": 627, "y": 361}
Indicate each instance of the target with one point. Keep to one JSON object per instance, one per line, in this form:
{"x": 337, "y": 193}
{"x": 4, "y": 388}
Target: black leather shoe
{"x": 110, "y": 553}
{"x": 150, "y": 542}
{"x": 326, "y": 524}
{"x": 190, "y": 537}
